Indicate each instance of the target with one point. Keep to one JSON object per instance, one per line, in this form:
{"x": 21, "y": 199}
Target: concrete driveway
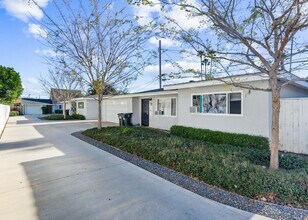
{"x": 45, "y": 173}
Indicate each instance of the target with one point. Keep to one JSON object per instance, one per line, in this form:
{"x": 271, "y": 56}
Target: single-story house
{"x": 31, "y": 106}
{"x": 209, "y": 104}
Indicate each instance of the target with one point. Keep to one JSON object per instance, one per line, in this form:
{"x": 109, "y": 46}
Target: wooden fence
{"x": 294, "y": 125}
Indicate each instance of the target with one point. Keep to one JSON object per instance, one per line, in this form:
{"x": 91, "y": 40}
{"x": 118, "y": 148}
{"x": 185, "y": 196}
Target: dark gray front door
{"x": 145, "y": 112}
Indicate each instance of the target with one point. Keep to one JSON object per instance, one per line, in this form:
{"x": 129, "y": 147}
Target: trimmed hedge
{"x": 14, "y": 113}
{"x": 219, "y": 137}
{"x": 56, "y": 117}
{"x": 243, "y": 170}
{"x": 44, "y": 110}
{"x": 61, "y": 117}
{"x": 78, "y": 116}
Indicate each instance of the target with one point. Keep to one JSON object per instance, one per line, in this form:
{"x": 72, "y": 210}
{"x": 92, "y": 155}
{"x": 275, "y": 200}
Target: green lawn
{"x": 243, "y": 170}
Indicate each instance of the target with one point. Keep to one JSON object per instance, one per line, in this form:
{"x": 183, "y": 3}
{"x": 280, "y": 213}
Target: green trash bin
{"x": 127, "y": 119}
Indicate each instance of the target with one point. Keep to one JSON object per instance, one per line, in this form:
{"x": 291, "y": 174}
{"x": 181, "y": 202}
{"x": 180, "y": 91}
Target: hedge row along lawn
{"x": 219, "y": 137}
{"x": 243, "y": 170}
{"x": 61, "y": 117}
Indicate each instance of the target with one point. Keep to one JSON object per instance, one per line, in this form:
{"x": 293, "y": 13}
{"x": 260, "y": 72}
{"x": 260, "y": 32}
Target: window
{"x": 197, "y": 103}
{"x": 173, "y": 107}
{"x": 217, "y": 103}
{"x": 166, "y": 106}
{"x": 81, "y": 105}
{"x": 235, "y": 106}
{"x": 60, "y": 107}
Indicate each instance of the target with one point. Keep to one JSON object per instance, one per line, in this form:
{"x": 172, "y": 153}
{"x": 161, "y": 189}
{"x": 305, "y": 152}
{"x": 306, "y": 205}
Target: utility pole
{"x": 159, "y": 53}
{"x": 201, "y": 62}
{"x": 291, "y": 54}
{"x": 205, "y": 64}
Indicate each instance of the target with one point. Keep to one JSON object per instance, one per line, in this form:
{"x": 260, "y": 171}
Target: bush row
{"x": 242, "y": 170}
{"x": 219, "y": 137}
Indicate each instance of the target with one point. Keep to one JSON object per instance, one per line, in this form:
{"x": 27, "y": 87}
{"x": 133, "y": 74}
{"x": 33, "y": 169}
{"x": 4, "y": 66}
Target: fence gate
{"x": 294, "y": 125}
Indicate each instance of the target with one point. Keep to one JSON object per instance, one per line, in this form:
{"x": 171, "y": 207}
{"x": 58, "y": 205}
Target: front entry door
{"x": 145, "y": 112}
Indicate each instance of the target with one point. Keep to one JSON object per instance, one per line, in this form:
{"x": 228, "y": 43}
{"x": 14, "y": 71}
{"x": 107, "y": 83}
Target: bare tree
{"x": 266, "y": 37}
{"x": 102, "y": 43}
{"x": 62, "y": 85}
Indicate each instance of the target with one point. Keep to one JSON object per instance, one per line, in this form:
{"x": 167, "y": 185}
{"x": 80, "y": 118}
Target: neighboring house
{"x": 209, "y": 104}
{"x": 31, "y": 106}
{"x": 56, "y": 95}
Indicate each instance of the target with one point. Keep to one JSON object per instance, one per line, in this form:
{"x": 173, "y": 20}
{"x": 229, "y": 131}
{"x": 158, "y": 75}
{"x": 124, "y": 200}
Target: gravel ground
{"x": 203, "y": 189}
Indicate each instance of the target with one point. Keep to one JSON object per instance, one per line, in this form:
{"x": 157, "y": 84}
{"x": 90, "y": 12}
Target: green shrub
{"x": 58, "y": 111}
{"x": 14, "y": 113}
{"x": 54, "y": 117}
{"x": 243, "y": 170}
{"x": 44, "y": 110}
{"x": 61, "y": 117}
{"x": 78, "y": 116}
{"x": 218, "y": 137}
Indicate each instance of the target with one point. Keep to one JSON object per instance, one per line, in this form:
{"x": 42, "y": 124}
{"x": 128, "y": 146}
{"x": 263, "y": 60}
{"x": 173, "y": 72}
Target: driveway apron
{"x": 45, "y": 173}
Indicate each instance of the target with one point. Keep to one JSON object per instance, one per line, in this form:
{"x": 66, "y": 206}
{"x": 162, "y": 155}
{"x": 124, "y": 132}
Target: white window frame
{"x": 83, "y": 105}
{"x": 227, "y": 103}
{"x": 176, "y": 107}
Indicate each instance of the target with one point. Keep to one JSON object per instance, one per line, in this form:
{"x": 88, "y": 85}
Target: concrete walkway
{"x": 45, "y": 173}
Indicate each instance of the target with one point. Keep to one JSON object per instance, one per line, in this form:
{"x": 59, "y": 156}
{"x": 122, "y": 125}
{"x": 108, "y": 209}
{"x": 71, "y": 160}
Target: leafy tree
{"x": 260, "y": 36}
{"x": 10, "y": 85}
{"x": 100, "y": 42}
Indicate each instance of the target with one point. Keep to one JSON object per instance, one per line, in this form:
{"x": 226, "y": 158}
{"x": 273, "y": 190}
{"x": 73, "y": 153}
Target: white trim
{"x": 144, "y": 95}
{"x": 176, "y": 107}
{"x": 239, "y": 78}
{"x": 227, "y": 104}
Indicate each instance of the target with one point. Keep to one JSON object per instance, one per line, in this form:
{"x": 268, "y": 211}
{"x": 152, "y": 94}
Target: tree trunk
{"x": 99, "y": 115}
{"x": 274, "y": 162}
{"x": 64, "y": 109}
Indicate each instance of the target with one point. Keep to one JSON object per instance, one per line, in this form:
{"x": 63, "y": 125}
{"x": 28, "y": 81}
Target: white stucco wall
{"x": 255, "y": 113}
{"x": 111, "y": 107}
{"x": 4, "y": 115}
{"x": 79, "y": 110}
{"x": 92, "y": 109}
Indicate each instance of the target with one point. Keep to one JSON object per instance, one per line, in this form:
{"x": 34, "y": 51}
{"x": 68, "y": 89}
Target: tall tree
{"x": 10, "y": 85}
{"x": 99, "y": 41}
{"x": 266, "y": 37}
{"x": 63, "y": 85}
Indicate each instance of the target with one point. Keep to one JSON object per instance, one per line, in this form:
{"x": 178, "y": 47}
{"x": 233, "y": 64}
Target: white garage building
{"x": 34, "y": 106}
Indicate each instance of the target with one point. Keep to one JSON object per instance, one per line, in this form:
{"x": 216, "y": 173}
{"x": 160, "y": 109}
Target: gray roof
{"x": 36, "y": 101}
